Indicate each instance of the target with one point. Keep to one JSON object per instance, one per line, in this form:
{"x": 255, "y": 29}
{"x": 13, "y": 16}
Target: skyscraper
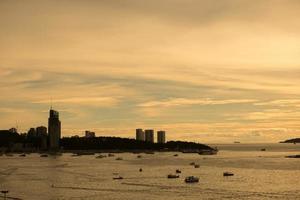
{"x": 54, "y": 130}
{"x": 140, "y": 134}
{"x": 41, "y": 132}
{"x": 161, "y": 137}
{"x": 149, "y": 135}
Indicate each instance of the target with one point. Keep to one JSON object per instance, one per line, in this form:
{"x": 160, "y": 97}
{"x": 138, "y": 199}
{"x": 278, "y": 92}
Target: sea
{"x": 257, "y": 175}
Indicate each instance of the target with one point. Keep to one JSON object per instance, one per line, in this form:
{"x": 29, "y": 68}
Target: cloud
{"x": 189, "y": 102}
{"x": 95, "y": 101}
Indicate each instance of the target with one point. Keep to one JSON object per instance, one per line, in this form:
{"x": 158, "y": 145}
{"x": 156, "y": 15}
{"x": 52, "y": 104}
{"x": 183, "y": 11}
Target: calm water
{"x": 258, "y": 175}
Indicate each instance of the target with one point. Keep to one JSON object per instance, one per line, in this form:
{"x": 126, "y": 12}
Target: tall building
{"x": 31, "y": 133}
{"x": 149, "y": 135}
{"x": 161, "y": 137}
{"x": 54, "y": 130}
{"x": 89, "y": 134}
{"x": 140, "y": 134}
{"x": 41, "y": 132}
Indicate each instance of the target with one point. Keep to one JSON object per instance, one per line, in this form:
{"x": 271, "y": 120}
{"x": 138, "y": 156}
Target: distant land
{"x": 295, "y": 140}
{"x": 14, "y": 142}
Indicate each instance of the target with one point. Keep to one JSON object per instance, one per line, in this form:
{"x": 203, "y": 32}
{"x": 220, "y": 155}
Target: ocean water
{"x": 258, "y": 175}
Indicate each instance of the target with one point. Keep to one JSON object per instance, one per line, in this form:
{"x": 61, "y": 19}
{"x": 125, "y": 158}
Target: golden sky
{"x": 203, "y": 70}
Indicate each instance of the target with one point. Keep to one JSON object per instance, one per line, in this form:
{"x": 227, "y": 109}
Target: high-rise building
{"x": 31, "y": 133}
{"x": 54, "y": 130}
{"x": 149, "y": 135}
{"x": 161, "y": 137}
{"x": 140, "y": 134}
{"x": 41, "y": 132}
{"x": 90, "y": 134}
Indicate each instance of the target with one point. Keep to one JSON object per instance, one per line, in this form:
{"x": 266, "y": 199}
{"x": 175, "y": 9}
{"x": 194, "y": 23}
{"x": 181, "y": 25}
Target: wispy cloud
{"x": 189, "y": 102}
{"x": 95, "y": 101}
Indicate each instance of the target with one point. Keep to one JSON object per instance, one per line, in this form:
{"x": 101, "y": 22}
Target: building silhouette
{"x": 161, "y": 137}
{"x": 149, "y": 135}
{"x": 41, "y": 132}
{"x": 139, "y": 134}
{"x": 90, "y": 134}
{"x": 54, "y": 130}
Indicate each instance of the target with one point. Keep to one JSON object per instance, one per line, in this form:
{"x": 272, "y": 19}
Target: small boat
{"x": 191, "y": 179}
{"x": 139, "y": 156}
{"x": 100, "y": 156}
{"x": 22, "y": 155}
{"x": 140, "y": 170}
{"x": 175, "y": 155}
{"x": 192, "y": 163}
{"x": 293, "y": 156}
{"x": 178, "y": 171}
{"x": 119, "y": 158}
{"x": 196, "y": 166}
{"x": 228, "y": 174}
{"x": 118, "y": 178}
{"x": 263, "y": 149}
{"x": 111, "y": 155}
{"x": 173, "y": 176}
{"x": 44, "y": 155}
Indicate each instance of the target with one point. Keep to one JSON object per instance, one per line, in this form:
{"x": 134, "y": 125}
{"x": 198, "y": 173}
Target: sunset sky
{"x": 203, "y": 70}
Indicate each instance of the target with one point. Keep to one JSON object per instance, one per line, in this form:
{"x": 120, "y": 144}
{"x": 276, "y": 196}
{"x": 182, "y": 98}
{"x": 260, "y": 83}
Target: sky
{"x": 213, "y": 71}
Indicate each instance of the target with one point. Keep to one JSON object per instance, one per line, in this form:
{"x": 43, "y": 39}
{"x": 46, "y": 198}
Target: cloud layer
{"x": 211, "y": 71}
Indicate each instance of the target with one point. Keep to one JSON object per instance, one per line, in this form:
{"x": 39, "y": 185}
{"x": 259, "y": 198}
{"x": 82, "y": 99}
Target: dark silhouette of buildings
{"x": 90, "y": 134}
{"x": 54, "y": 130}
{"x": 161, "y": 137}
{"x": 149, "y": 135}
{"x": 140, "y": 134}
{"x": 41, "y": 133}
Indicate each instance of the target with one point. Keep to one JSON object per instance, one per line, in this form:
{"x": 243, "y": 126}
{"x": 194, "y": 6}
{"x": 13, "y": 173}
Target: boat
{"x": 85, "y": 153}
{"x": 22, "y": 155}
{"x": 111, "y": 155}
{"x": 208, "y": 152}
{"x": 178, "y": 171}
{"x": 175, "y": 155}
{"x": 293, "y": 156}
{"x": 197, "y": 166}
{"x": 44, "y": 155}
{"x": 118, "y": 178}
{"x": 173, "y": 176}
{"x": 141, "y": 170}
{"x": 192, "y": 163}
{"x": 191, "y": 179}
{"x": 263, "y": 149}
{"x": 100, "y": 156}
{"x": 228, "y": 174}
{"x": 119, "y": 158}
{"x": 139, "y": 156}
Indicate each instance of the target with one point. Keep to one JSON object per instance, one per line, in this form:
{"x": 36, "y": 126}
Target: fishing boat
{"x": 197, "y": 166}
{"x": 228, "y": 174}
{"x": 173, "y": 176}
{"x": 100, "y": 156}
{"x": 191, "y": 179}
{"x": 117, "y": 178}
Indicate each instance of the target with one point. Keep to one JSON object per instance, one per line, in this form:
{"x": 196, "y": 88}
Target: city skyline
{"x": 206, "y": 71}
